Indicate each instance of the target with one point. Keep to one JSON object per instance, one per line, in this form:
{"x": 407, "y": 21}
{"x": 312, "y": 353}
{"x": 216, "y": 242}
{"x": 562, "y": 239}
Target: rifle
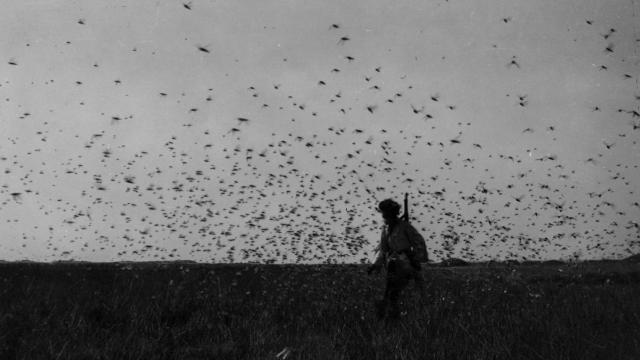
{"x": 405, "y": 216}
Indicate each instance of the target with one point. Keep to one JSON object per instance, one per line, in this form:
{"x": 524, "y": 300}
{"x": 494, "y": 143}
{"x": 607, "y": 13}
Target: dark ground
{"x": 548, "y": 310}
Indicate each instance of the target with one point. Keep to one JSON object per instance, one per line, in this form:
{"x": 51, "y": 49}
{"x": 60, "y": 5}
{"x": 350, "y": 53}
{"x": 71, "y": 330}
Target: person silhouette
{"x": 397, "y": 256}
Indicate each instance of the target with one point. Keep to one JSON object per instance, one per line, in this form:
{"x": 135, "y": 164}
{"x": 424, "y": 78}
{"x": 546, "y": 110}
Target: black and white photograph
{"x": 329, "y": 179}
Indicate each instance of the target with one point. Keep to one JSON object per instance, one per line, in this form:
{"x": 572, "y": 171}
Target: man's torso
{"x": 396, "y": 238}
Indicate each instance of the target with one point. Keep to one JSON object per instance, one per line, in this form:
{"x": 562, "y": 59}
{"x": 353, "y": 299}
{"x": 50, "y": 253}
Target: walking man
{"x": 398, "y": 256}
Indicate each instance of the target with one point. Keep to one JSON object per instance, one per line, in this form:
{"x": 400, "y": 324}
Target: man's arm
{"x": 380, "y": 259}
{"x": 382, "y": 253}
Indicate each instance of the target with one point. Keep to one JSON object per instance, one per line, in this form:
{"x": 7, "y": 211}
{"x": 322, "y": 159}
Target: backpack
{"x": 418, "y": 244}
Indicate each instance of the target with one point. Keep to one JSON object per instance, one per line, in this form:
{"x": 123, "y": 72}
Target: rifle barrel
{"x": 406, "y": 207}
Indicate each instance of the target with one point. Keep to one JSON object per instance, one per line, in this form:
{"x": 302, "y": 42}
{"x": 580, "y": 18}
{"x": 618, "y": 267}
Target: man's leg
{"x": 381, "y": 306}
{"x": 396, "y": 283}
{"x": 416, "y": 274}
{"x": 389, "y": 290}
{"x": 419, "y": 279}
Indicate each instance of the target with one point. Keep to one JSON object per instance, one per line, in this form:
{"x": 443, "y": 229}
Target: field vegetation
{"x": 545, "y": 311}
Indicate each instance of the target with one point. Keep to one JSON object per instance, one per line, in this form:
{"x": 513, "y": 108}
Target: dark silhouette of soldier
{"x": 398, "y": 258}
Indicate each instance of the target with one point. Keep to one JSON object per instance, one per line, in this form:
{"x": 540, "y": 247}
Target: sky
{"x": 268, "y": 131}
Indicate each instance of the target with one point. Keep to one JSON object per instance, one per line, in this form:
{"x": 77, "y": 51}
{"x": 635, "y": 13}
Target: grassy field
{"x": 198, "y": 311}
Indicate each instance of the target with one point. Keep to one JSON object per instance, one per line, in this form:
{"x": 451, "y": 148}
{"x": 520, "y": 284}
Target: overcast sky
{"x": 269, "y": 130}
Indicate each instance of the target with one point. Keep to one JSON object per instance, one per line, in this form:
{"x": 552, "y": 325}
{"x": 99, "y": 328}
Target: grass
{"x": 199, "y": 311}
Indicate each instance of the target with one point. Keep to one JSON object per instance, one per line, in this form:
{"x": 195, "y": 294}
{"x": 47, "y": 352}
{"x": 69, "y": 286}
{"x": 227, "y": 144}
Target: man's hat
{"x": 389, "y": 206}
